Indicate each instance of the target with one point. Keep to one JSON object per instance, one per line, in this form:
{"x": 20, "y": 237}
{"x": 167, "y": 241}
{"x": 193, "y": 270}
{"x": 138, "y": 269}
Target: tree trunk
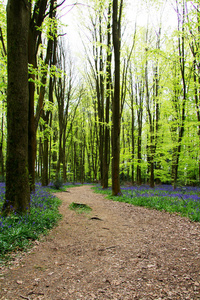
{"x": 116, "y": 100}
{"x": 106, "y": 160}
{"x": 17, "y": 177}
{"x": 64, "y": 156}
{"x": 139, "y": 88}
{"x": 139, "y": 156}
{"x": 45, "y": 172}
{"x": 182, "y": 58}
{"x": 31, "y": 119}
{"x": 133, "y": 141}
{"x": 1, "y": 148}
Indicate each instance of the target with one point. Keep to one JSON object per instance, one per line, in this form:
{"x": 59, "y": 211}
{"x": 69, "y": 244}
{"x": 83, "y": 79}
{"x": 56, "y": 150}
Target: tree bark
{"x": 17, "y": 177}
{"x": 116, "y": 100}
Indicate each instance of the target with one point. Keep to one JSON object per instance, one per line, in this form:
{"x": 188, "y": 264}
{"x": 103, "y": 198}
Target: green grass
{"x": 184, "y": 201}
{"x": 17, "y": 232}
{"x": 80, "y": 207}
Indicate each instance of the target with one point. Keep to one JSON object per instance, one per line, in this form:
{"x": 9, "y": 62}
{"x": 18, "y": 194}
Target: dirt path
{"x": 117, "y": 251}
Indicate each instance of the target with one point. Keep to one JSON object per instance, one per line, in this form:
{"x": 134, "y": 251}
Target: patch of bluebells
{"x": 42, "y": 203}
{"x": 186, "y": 193}
{"x": 40, "y": 198}
{"x": 184, "y": 200}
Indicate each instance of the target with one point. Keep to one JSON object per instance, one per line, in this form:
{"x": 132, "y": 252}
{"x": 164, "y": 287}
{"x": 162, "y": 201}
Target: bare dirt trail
{"x": 117, "y": 251}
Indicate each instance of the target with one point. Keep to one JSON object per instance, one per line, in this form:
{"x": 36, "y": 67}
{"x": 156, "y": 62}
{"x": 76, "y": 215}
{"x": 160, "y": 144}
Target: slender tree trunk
{"x": 151, "y": 126}
{"x": 64, "y": 156}
{"x": 139, "y": 88}
{"x": 17, "y": 179}
{"x": 45, "y": 172}
{"x": 139, "y": 156}
{"x": 108, "y": 97}
{"x": 181, "y": 48}
{"x": 132, "y": 141}
{"x": 1, "y": 148}
{"x": 74, "y": 162}
{"x": 59, "y": 156}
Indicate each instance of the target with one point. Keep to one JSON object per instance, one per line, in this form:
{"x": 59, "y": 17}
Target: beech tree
{"x": 17, "y": 176}
{"x": 116, "y": 116}
{"x": 106, "y": 158}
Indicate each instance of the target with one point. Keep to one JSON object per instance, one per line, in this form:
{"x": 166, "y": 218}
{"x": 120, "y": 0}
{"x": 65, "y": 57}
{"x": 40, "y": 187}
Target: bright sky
{"x": 134, "y": 10}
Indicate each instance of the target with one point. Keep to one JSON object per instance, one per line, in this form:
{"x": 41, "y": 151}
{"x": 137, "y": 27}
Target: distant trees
{"x": 68, "y": 99}
{"x": 99, "y": 78}
{"x": 76, "y": 118}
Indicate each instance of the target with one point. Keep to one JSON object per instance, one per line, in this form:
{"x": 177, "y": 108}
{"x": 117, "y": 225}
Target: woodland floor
{"x": 117, "y": 251}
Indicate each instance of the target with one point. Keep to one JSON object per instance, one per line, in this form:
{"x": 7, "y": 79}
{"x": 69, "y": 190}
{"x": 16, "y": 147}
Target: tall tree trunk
{"x": 1, "y": 146}
{"x": 106, "y": 160}
{"x": 31, "y": 118}
{"x": 45, "y": 172}
{"x": 132, "y": 140}
{"x": 64, "y": 156}
{"x": 139, "y": 155}
{"x": 131, "y": 94}
{"x": 139, "y": 88}
{"x": 116, "y": 99}
{"x": 17, "y": 177}
{"x": 151, "y": 125}
{"x": 181, "y": 130}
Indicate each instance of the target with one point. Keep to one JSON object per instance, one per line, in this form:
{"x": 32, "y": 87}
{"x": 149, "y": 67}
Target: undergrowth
{"x": 17, "y": 232}
{"x": 184, "y": 200}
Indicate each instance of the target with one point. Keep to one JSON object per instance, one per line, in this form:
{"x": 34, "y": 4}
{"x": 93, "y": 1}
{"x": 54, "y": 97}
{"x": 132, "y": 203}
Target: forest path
{"x": 117, "y": 251}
